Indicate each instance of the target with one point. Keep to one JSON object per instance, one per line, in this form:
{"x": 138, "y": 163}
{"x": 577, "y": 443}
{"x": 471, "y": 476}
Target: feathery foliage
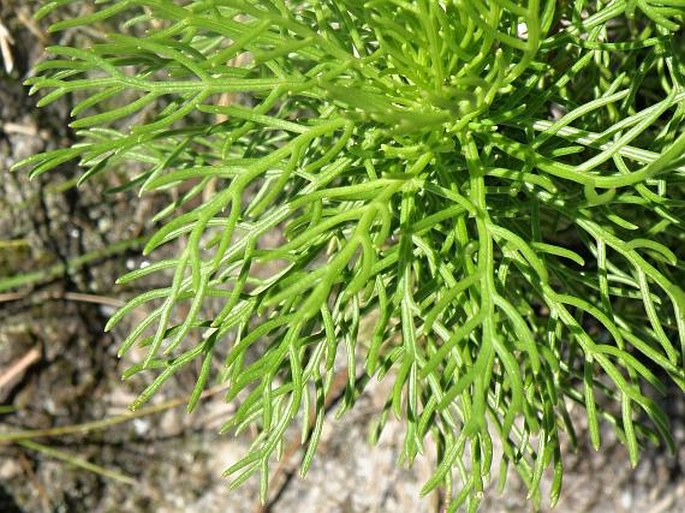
{"x": 497, "y": 187}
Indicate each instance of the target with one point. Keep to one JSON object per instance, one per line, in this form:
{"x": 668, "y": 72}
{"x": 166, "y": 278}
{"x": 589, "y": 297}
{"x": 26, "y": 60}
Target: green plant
{"x": 469, "y": 177}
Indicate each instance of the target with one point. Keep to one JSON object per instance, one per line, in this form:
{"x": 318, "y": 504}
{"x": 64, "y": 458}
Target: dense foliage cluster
{"x": 496, "y": 187}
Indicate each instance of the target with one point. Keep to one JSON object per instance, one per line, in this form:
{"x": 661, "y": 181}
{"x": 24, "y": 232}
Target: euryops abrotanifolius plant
{"x": 496, "y": 188}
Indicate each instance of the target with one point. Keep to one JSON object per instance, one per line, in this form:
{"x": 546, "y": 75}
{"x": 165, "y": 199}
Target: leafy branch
{"x": 407, "y": 158}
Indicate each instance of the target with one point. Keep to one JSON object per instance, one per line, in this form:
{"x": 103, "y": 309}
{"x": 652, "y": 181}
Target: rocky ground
{"x": 60, "y": 249}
